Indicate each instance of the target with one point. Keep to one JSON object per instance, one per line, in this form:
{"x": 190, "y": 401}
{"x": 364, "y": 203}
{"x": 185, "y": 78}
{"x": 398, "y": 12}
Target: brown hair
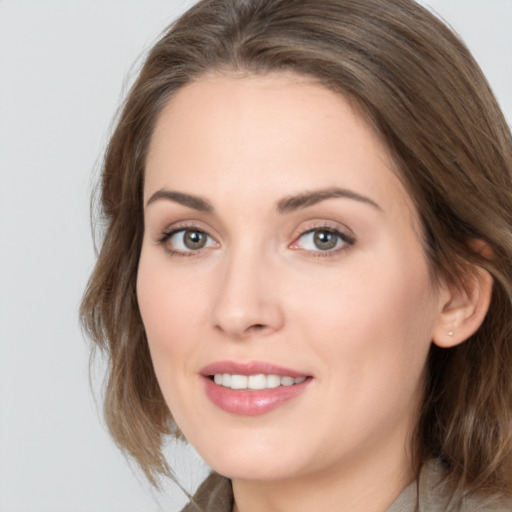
{"x": 426, "y": 96}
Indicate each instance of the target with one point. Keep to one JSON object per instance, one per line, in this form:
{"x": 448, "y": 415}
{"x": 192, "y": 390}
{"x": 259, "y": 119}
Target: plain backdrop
{"x": 64, "y": 66}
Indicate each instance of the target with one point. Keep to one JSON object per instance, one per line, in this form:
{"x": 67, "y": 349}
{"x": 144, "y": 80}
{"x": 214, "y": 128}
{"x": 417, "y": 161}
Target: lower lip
{"x": 248, "y": 402}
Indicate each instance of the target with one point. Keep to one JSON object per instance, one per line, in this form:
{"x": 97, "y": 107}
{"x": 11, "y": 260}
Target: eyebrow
{"x": 286, "y": 205}
{"x": 194, "y": 202}
{"x": 309, "y": 198}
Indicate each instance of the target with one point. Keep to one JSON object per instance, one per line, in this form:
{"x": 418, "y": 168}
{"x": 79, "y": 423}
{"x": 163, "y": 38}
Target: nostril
{"x": 257, "y": 327}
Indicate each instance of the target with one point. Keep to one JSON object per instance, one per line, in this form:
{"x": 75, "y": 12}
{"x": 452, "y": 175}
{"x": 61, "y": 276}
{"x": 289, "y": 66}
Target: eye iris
{"x": 194, "y": 239}
{"x": 325, "y": 240}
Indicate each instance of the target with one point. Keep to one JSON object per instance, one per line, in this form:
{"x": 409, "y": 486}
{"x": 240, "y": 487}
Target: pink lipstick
{"x": 252, "y": 388}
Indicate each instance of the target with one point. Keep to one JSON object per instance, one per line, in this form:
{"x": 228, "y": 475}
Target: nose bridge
{"x": 247, "y": 300}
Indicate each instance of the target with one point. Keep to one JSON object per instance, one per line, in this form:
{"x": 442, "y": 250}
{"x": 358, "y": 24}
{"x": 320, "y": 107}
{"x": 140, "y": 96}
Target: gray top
{"x": 429, "y": 493}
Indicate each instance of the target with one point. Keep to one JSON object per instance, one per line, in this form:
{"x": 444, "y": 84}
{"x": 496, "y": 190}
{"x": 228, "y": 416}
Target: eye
{"x": 323, "y": 240}
{"x": 187, "y": 240}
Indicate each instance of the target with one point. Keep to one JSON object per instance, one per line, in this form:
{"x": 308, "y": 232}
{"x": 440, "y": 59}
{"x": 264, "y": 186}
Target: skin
{"x": 358, "y": 319}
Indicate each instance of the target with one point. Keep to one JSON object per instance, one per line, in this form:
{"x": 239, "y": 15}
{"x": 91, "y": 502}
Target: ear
{"x": 464, "y": 306}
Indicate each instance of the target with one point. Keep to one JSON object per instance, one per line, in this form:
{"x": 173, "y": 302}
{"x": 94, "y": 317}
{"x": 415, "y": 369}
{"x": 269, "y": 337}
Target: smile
{"x": 252, "y": 388}
{"x": 255, "y": 382}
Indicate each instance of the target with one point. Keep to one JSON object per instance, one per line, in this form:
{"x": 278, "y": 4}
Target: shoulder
{"x": 485, "y": 504}
{"x": 214, "y": 495}
{"x": 432, "y": 493}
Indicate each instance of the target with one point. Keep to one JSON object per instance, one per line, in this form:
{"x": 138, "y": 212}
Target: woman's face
{"x": 282, "y": 253}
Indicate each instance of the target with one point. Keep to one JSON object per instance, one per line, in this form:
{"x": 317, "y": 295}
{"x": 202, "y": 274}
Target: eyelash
{"x": 167, "y": 236}
{"x": 346, "y": 239}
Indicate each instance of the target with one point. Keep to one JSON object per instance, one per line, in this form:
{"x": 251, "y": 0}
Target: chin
{"x": 245, "y": 467}
{"x": 252, "y": 459}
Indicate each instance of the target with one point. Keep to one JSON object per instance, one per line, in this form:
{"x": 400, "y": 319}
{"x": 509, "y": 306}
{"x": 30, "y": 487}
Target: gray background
{"x": 64, "y": 66}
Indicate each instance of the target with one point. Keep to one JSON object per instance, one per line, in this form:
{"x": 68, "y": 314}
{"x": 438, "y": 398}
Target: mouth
{"x": 255, "y": 382}
{"x": 251, "y": 389}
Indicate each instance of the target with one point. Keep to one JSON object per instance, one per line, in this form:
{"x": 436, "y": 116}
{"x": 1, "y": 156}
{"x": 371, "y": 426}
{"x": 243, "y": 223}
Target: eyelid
{"x": 327, "y": 225}
{"x": 173, "y": 229}
{"x": 345, "y": 234}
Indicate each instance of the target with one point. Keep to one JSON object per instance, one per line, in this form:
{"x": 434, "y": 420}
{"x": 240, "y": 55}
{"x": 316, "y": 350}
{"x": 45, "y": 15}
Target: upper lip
{"x": 249, "y": 368}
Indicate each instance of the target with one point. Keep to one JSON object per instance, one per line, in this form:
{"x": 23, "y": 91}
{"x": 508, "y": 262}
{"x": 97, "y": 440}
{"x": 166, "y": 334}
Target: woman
{"x": 306, "y": 270}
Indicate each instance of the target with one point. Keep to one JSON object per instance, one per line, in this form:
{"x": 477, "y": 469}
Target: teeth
{"x": 259, "y": 381}
{"x": 287, "y": 381}
{"x": 238, "y": 382}
{"x": 273, "y": 381}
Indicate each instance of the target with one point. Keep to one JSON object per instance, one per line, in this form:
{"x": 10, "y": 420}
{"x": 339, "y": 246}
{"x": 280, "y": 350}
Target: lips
{"x": 253, "y": 388}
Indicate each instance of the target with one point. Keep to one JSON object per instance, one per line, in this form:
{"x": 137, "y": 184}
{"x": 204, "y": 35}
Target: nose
{"x": 247, "y": 301}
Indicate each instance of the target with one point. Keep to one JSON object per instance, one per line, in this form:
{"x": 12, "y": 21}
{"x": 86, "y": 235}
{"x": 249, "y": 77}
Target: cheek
{"x": 383, "y": 337}
{"x": 374, "y": 319}
{"x": 169, "y": 311}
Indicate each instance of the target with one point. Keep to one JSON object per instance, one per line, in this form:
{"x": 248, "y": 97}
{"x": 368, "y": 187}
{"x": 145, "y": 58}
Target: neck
{"x": 359, "y": 487}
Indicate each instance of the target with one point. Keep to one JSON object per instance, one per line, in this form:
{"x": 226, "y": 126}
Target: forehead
{"x": 275, "y": 109}
{"x": 278, "y": 134}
